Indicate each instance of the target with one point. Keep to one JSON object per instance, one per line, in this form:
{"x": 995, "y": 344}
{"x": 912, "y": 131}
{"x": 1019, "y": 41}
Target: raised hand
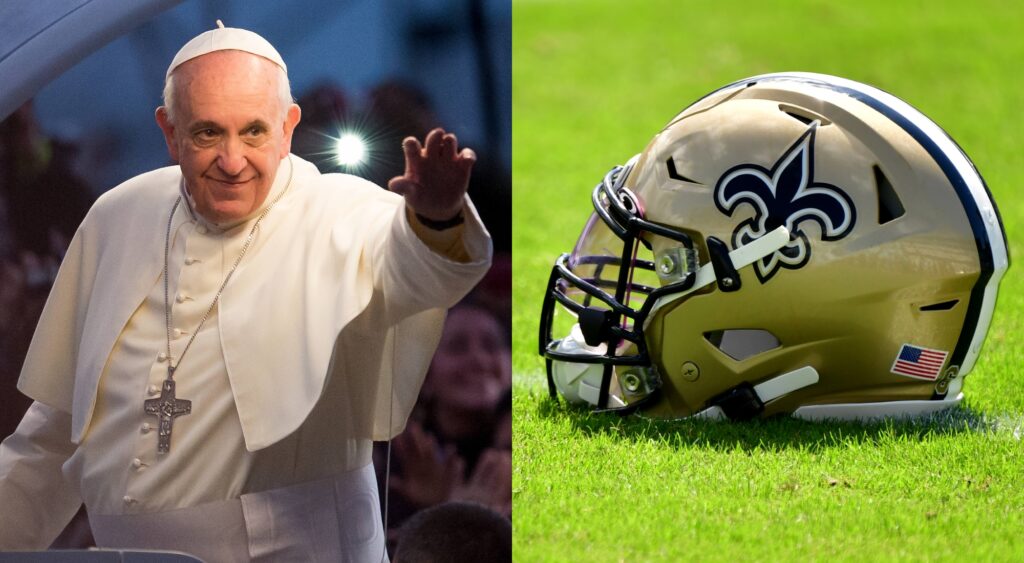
{"x": 429, "y": 473}
{"x": 436, "y": 175}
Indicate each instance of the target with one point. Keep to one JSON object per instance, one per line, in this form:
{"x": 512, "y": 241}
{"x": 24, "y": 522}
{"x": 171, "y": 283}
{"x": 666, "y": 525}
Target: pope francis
{"x": 226, "y": 336}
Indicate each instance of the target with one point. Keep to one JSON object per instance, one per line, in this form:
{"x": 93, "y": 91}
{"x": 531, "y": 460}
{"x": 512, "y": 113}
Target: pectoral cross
{"x": 167, "y": 408}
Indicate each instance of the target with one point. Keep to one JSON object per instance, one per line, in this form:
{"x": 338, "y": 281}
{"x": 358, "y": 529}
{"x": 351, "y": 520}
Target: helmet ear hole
{"x": 742, "y": 343}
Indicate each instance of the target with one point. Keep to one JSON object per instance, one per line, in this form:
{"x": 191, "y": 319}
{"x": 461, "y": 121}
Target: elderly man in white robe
{"x": 227, "y": 336}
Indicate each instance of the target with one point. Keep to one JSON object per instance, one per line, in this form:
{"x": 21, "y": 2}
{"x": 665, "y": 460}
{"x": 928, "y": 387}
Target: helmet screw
{"x": 631, "y": 382}
{"x": 727, "y": 282}
{"x": 666, "y": 265}
{"x": 690, "y": 371}
{"x": 942, "y": 385}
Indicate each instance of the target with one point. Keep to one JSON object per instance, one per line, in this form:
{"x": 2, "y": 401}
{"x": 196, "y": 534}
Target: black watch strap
{"x": 455, "y": 221}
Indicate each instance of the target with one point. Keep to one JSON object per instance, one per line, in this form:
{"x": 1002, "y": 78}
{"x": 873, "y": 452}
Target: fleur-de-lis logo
{"x": 785, "y": 195}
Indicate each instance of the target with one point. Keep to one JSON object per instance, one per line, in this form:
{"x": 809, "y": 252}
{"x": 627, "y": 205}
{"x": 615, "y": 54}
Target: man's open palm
{"x": 436, "y": 175}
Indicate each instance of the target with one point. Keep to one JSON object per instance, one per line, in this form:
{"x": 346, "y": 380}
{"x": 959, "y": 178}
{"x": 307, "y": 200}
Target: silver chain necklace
{"x": 167, "y": 407}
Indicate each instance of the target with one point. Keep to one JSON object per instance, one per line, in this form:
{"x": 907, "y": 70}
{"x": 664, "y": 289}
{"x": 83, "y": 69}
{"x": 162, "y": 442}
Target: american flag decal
{"x": 920, "y": 363}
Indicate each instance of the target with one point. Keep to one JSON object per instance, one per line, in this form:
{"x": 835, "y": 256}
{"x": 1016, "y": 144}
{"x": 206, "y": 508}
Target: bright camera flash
{"x": 349, "y": 149}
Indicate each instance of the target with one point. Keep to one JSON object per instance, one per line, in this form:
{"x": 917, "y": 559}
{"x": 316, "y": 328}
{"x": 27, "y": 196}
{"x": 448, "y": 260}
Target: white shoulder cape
{"x": 336, "y": 288}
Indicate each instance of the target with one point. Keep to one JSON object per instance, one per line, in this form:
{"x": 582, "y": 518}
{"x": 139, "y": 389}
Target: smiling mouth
{"x": 231, "y": 182}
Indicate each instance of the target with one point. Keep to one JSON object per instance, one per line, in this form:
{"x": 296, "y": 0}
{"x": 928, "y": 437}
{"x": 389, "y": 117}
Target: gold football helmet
{"x": 790, "y": 243}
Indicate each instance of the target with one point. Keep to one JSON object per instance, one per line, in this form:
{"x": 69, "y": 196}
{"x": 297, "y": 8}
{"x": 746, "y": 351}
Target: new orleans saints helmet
{"x": 790, "y": 243}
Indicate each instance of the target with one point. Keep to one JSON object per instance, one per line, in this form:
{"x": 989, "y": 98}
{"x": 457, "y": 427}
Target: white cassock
{"x": 318, "y": 345}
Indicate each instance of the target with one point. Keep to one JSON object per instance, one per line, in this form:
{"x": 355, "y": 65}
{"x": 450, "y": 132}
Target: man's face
{"x": 229, "y": 132}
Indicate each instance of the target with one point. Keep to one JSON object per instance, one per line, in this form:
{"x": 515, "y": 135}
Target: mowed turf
{"x": 593, "y": 81}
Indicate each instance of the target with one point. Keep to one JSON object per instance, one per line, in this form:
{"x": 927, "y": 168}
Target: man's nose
{"x": 231, "y": 158}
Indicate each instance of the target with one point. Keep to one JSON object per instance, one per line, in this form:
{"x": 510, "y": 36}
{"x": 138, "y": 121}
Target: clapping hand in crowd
{"x": 490, "y": 483}
{"x": 429, "y": 473}
{"x": 432, "y": 474}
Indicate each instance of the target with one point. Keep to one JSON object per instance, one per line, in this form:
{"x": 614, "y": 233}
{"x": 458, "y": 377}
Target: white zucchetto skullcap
{"x": 223, "y": 39}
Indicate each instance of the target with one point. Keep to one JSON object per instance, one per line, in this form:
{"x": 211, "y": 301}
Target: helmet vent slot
{"x": 742, "y": 343}
{"x": 890, "y": 207}
{"x": 943, "y": 306}
{"x": 802, "y": 115}
{"x": 674, "y": 174}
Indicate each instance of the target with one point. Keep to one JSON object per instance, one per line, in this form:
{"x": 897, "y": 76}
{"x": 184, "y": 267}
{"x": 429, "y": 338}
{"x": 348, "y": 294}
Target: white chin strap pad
{"x": 770, "y": 390}
{"x": 741, "y": 258}
{"x": 745, "y": 255}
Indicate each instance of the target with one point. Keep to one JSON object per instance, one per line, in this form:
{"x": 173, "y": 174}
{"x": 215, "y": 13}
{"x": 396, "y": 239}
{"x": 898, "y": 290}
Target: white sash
{"x": 334, "y": 519}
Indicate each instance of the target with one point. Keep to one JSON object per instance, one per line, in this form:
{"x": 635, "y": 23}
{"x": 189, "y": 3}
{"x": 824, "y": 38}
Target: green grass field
{"x": 593, "y": 81}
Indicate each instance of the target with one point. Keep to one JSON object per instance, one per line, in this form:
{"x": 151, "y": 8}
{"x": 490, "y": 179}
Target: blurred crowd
{"x": 42, "y": 202}
{"x": 458, "y": 443}
{"x": 457, "y": 446}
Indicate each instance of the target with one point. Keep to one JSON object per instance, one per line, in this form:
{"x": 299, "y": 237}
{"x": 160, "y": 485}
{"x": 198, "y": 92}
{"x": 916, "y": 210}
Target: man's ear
{"x": 292, "y": 117}
{"x": 168, "y": 128}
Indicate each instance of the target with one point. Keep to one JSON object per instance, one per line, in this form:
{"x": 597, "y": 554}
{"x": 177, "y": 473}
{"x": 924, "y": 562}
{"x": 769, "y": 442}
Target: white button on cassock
{"x": 128, "y": 500}
{"x": 180, "y": 298}
{"x": 136, "y": 463}
{"x": 146, "y": 427}
{"x": 190, "y": 261}
{"x": 176, "y": 333}
{"x": 154, "y": 389}
{"x": 202, "y": 229}
{"x": 162, "y": 357}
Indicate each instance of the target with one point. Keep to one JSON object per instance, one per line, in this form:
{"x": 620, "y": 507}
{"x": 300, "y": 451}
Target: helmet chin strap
{"x": 768, "y": 390}
{"x": 740, "y": 258}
